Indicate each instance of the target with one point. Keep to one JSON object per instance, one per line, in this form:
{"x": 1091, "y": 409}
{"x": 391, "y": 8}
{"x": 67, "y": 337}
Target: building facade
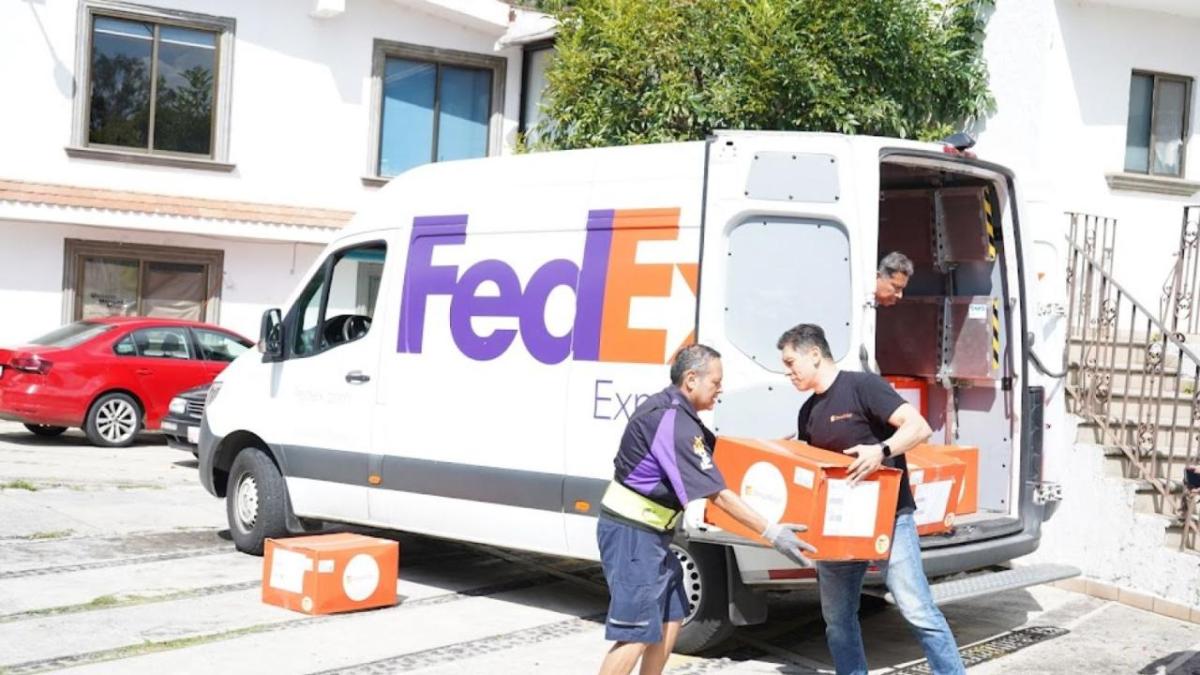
{"x": 190, "y": 159}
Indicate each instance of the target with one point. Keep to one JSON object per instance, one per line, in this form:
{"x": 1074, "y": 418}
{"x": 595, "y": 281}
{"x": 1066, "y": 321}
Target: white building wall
{"x": 301, "y": 98}
{"x": 1060, "y": 73}
{"x": 258, "y": 275}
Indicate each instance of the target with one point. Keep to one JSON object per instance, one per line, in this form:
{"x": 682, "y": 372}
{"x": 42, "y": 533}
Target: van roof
{"x": 559, "y": 166}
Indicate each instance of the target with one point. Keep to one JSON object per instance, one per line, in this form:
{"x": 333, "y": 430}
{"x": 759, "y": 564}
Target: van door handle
{"x": 357, "y": 377}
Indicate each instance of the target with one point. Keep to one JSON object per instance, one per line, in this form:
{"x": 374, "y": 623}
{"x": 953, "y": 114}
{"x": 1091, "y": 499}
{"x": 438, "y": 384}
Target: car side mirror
{"x": 270, "y": 336}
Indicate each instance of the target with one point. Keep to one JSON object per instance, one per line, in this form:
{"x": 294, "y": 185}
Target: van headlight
{"x": 213, "y": 390}
{"x": 178, "y": 406}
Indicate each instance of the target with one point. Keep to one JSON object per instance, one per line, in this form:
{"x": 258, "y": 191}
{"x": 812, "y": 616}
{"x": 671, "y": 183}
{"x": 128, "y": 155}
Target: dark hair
{"x": 805, "y": 336}
{"x": 895, "y": 263}
{"x": 693, "y": 357}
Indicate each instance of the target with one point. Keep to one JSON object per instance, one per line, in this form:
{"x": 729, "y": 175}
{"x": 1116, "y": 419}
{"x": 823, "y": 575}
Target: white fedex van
{"x": 462, "y": 360}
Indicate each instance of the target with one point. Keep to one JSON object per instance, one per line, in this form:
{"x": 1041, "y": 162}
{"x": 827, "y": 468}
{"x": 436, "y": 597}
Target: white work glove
{"x": 783, "y": 537}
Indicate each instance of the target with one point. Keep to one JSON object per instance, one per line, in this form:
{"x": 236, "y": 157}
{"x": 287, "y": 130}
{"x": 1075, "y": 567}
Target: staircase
{"x": 1133, "y": 374}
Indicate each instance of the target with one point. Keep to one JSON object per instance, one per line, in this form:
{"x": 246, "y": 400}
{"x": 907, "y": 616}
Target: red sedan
{"x": 113, "y": 377}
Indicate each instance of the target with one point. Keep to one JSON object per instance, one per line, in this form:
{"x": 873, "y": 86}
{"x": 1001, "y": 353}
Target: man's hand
{"x": 867, "y": 458}
{"x": 783, "y": 537}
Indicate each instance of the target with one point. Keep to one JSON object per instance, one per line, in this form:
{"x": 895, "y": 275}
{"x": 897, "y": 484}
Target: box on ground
{"x": 793, "y": 482}
{"x": 330, "y": 573}
{"x": 937, "y": 481}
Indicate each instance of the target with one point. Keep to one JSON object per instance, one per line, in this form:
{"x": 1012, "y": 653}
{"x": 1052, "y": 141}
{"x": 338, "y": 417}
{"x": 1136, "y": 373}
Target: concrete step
{"x": 1165, "y": 409}
{"x": 1132, "y": 356}
{"x": 1118, "y": 465}
{"x": 1176, "y": 438}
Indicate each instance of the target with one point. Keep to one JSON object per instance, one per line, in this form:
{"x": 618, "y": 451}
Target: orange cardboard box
{"x": 914, "y": 390}
{"x": 968, "y": 495}
{"x": 936, "y": 479}
{"x": 793, "y": 482}
{"x": 330, "y": 573}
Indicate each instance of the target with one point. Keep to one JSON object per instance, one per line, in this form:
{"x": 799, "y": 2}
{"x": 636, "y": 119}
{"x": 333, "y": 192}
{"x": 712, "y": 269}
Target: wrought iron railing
{"x": 1133, "y": 378}
{"x": 1181, "y": 290}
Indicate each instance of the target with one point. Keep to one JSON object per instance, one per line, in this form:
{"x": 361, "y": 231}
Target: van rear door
{"x": 782, "y": 246}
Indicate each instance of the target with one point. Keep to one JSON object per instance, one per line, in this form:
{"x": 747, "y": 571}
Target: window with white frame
{"x": 156, "y": 81}
{"x": 433, "y": 105}
{"x": 538, "y": 59}
{"x": 1156, "y": 135}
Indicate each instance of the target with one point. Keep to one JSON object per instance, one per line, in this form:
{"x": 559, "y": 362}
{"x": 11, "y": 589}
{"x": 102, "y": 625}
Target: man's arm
{"x": 911, "y": 431}
{"x": 781, "y": 535}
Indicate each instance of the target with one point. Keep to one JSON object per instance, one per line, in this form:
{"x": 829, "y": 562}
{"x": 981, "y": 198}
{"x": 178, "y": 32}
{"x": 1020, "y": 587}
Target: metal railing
{"x": 1181, "y": 290}
{"x": 1132, "y": 378}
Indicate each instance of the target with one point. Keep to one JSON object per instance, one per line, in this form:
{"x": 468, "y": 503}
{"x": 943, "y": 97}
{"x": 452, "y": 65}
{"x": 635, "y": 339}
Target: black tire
{"x": 707, "y": 624}
{"x": 114, "y": 421}
{"x": 47, "y": 431}
{"x": 256, "y": 501}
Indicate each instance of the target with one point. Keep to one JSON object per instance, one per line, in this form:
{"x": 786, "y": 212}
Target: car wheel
{"x": 707, "y": 623}
{"x": 45, "y": 430}
{"x": 256, "y": 501}
{"x": 114, "y": 421}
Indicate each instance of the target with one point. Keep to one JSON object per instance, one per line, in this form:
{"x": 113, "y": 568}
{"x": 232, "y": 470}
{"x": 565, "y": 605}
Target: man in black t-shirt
{"x": 859, "y": 414}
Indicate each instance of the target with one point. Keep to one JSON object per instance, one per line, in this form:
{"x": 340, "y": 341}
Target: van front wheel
{"x": 255, "y": 501}
{"x": 707, "y": 623}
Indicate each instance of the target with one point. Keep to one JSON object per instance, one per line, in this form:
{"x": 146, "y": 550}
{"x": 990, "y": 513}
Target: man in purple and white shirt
{"x": 665, "y": 461}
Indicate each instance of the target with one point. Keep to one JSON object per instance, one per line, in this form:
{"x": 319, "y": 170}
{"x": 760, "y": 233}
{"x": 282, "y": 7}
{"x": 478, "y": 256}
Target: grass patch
{"x": 139, "y": 486}
{"x": 51, "y": 534}
{"x": 105, "y": 601}
{"x": 19, "y": 484}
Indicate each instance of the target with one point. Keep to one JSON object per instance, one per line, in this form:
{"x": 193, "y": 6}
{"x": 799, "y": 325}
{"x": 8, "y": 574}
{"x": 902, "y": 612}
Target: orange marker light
{"x": 375, "y": 479}
{"x": 582, "y": 506}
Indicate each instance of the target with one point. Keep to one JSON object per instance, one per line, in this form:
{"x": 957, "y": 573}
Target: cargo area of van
{"x": 946, "y": 344}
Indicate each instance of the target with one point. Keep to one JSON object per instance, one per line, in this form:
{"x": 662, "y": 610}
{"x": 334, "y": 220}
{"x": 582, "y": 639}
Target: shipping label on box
{"x": 792, "y": 482}
{"x": 330, "y": 573}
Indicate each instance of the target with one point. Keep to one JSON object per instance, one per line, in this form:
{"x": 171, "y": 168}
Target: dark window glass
{"x": 432, "y": 112}
{"x": 216, "y": 346}
{"x": 125, "y": 347}
{"x": 1155, "y": 136}
{"x": 187, "y": 61}
{"x": 120, "y": 98}
{"x": 163, "y": 343}
{"x": 124, "y": 63}
{"x": 71, "y": 334}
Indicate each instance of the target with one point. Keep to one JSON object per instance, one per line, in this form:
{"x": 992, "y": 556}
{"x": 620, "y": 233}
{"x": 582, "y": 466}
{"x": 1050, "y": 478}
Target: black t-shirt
{"x": 855, "y": 411}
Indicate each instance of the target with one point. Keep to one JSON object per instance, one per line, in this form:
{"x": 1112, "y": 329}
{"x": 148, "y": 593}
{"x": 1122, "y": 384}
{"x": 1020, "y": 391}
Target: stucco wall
{"x": 257, "y": 275}
{"x": 300, "y": 99}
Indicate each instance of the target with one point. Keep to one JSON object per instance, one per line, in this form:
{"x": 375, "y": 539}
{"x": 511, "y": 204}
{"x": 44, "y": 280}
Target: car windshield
{"x": 72, "y": 334}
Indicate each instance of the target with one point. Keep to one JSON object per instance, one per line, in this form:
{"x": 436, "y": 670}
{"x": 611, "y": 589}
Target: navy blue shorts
{"x": 645, "y": 582}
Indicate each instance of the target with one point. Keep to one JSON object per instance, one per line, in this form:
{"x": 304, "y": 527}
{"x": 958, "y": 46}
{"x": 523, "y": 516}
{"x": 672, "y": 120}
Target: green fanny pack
{"x": 633, "y": 506}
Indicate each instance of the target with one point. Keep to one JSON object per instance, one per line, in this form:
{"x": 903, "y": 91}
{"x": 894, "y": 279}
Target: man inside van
{"x": 665, "y": 461}
{"x": 892, "y": 278}
{"x": 861, "y": 415}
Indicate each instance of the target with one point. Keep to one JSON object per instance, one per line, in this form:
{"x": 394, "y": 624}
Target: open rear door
{"x": 782, "y": 245}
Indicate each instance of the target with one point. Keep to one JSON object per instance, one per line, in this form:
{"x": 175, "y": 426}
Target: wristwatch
{"x": 887, "y": 451}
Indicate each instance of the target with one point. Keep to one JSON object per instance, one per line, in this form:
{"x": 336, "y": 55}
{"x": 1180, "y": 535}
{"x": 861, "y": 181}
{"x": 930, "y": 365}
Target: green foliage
{"x": 641, "y": 71}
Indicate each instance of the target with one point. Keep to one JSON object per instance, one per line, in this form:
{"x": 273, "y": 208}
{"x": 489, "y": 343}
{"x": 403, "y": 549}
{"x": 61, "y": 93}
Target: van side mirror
{"x": 270, "y": 336}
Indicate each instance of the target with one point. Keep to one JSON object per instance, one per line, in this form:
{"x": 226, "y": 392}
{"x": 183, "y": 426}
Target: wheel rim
{"x": 691, "y": 580}
{"x": 116, "y": 421}
{"x": 247, "y": 502}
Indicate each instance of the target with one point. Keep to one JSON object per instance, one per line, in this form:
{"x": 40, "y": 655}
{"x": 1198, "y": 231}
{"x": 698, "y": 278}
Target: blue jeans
{"x": 841, "y": 587}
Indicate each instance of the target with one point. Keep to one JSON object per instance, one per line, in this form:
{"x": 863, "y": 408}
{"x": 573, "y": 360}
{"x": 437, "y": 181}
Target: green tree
{"x": 644, "y": 71}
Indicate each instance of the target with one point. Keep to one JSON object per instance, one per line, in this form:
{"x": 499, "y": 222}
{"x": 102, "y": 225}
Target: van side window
{"x": 339, "y": 302}
{"x": 785, "y": 271}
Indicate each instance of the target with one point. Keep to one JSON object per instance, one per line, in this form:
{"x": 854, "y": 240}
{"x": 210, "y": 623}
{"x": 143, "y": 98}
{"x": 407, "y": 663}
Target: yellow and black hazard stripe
{"x": 991, "y": 227}
{"x": 995, "y": 333}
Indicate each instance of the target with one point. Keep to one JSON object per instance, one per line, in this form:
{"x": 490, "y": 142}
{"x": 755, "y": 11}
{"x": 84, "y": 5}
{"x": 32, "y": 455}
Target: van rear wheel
{"x": 256, "y": 501}
{"x": 707, "y": 623}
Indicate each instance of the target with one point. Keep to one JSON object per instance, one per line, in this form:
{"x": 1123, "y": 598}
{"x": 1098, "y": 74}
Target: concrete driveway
{"x": 118, "y": 561}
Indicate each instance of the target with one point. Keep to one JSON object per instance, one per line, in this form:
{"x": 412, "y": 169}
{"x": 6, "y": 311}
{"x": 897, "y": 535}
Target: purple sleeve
{"x": 663, "y": 450}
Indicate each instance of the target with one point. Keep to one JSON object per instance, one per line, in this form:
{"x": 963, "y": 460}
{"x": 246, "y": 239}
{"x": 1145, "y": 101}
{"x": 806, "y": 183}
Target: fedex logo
{"x": 605, "y": 282}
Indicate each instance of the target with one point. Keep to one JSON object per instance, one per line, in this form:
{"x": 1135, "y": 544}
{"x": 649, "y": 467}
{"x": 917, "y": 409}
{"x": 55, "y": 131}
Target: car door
{"x": 164, "y": 363}
{"x": 322, "y": 397}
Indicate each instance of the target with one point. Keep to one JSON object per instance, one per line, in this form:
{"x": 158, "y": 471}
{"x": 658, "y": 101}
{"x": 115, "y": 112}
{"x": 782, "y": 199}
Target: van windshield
{"x": 72, "y": 334}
